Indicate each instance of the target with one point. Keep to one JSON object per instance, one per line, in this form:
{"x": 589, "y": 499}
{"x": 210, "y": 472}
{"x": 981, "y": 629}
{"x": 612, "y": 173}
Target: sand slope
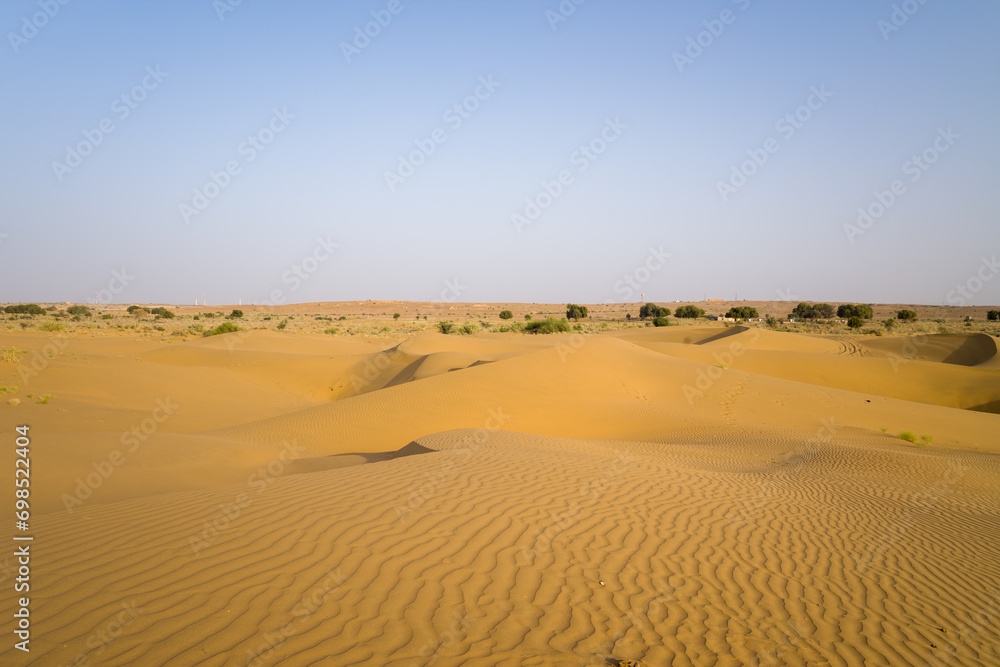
{"x": 516, "y": 500}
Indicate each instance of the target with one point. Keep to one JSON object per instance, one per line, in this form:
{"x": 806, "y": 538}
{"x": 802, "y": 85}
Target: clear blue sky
{"x": 674, "y": 132}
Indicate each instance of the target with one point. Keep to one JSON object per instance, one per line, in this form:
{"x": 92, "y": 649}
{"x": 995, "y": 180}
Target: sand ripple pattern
{"x": 518, "y": 549}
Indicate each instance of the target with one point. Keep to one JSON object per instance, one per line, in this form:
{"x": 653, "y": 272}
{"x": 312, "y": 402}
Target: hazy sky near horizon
{"x": 499, "y": 151}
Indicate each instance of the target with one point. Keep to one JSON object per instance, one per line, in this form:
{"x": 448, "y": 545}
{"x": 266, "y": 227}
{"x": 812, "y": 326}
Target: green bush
{"x": 395, "y": 316}
{"x": 527, "y": 316}
{"x": 909, "y": 436}
{"x": 282, "y": 324}
{"x": 506, "y": 314}
{"x": 849, "y": 310}
{"x": 209, "y": 315}
{"x": 25, "y": 309}
{"x": 652, "y": 310}
{"x": 661, "y": 322}
{"x": 331, "y": 330}
{"x": 906, "y": 315}
{"x": 52, "y": 325}
{"x": 446, "y": 327}
{"x": 742, "y": 313}
{"x": 575, "y": 312}
{"x": 236, "y": 314}
{"x": 889, "y": 323}
{"x": 467, "y": 329}
{"x": 79, "y": 310}
{"x": 993, "y": 315}
{"x": 689, "y": 312}
{"x": 107, "y": 316}
{"x": 224, "y": 328}
{"x": 163, "y": 313}
{"x": 855, "y": 322}
{"x": 134, "y": 308}
{"x": 548, "y": 326}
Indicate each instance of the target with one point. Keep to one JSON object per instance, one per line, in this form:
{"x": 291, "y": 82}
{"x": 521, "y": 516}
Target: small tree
{"x": 906, "y": 315}
{"x": 653, "y": 310}
{"x": 855, "y": 322}
{"x": 506, "y": 314}
{"x": 689, "y": 312}
{"x": 742, "y": 313}
{"x": 823, "y": 311}
{"x": 395, "y": 316}
{"x": 527, "y": 316}
{"x": 861, "y": 310}
{"x": 993, "y": 315}
{"x": 575, "y": 312}
{"x": 236, "y": 314}
{"x": 661, "y": 322}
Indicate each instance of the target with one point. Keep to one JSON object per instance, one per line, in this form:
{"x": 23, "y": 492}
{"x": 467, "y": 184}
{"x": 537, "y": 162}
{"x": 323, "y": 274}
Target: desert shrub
{"x": 909, "y": 436}
{"x": 467, "y": 329}
{"x": 282, "y": 324}
{"x": 209, "y": 315}
{"x": 689, "y": 312}
{"x": 25, "y": 309}
{"x": 107, "y": 316}
{"x": 224, "y": 328}
{"x": 527, "y": 316}
{"x": 993, "y": 315}
{"x": 75, "y": 318}
{"x": 889, "y": 323}
{"x": 661, "y": 322}
{"x": 52, "y": 325}
{"x": 506, "y": 314}
{"x": 446, "y": 327}
{"x": 906, "y": 315}
{"x": 547, "y": 326}
{"x": 159, "y": 327}
{"x": 195, "y": 329}
{"x": 79, "y": 310}
{"x": 331, "y": 330}
{"x": 133, "y": 309}
{"x": 849, "y": 310}
{"x": 395, "y": 316}
{"x": 236, "y": 314}
{"x": 652, "y": 310}
{"x": 855, "y": 322}
{"x": 742, "y": 313}
{"x": 163, "y": 313}
{"x": 575, "y": 312}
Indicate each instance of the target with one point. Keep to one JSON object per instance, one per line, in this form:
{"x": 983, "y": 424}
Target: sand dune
{"x": 675, "y": 495}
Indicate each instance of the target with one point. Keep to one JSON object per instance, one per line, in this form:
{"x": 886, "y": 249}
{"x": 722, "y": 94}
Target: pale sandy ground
{"x": 679, "y": 495}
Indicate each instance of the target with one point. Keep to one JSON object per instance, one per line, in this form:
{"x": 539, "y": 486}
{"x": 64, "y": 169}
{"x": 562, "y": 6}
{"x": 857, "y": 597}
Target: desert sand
{"x": 678, "y": 495}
